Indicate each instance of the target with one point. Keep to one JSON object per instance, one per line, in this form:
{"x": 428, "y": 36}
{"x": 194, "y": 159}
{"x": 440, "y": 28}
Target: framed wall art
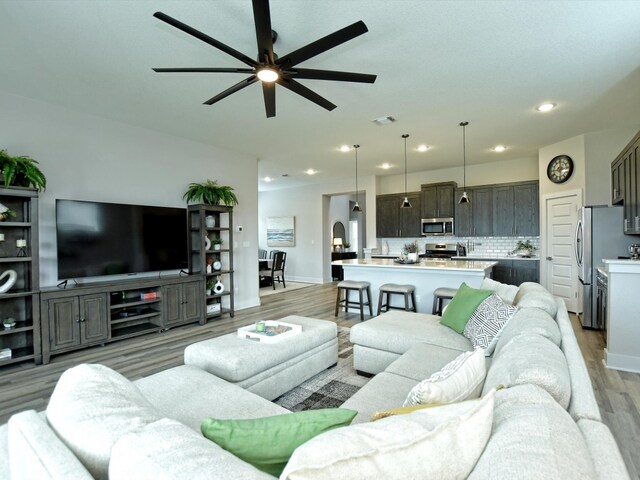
{"x": 281, "y": 232}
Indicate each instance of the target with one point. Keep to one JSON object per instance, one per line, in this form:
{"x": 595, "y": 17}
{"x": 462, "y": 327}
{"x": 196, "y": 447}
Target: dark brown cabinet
{"x": 515, "y": 272}
{"x": 438, "y": 200}
{"x": 625, "y": 185}
{"x": 503, "y": 211}
{"x": 77, "y": 321}
{"x": 182, "y": 303}
{"x": 337, "y": 272}
{"x": 463, "y": 219}
{"x": 21, "y": 301}
{"x": 482, "y": 211}
{"x": 393, "y": 221}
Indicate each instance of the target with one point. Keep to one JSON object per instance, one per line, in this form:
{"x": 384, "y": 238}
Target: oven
{"x": 437, "y": 226}
{"x": 439, "y": 251}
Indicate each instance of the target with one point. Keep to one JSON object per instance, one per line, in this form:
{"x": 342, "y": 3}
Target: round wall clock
{"x": 560, "y": 169}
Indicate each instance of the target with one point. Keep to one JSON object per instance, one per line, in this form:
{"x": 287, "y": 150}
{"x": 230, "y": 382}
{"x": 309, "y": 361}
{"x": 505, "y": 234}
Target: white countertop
{"x": 481, "y": 256}
{"x": 622, "y": 265}
{"x": 424, "y": 264}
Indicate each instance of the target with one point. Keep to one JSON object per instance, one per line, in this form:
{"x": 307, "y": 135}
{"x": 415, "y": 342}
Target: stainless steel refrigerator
{"x": 598, "y": 236}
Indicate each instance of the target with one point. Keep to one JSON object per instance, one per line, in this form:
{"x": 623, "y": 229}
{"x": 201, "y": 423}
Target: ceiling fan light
{"x": 546, "y": 107}
{"x": 464, "y": 198}
{"x": 406, "y": 203}
{"x": 356, "y": 208}
{"x": 268, "y": 74}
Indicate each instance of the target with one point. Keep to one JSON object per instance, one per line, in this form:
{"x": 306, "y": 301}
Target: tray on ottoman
{"x": 270, "y": 334}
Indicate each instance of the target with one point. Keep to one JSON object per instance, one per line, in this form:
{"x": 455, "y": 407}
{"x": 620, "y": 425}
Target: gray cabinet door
{"x": 192, "y": 298}
{"x": 388, "y": 215}
{"x": 410, "y": 223}
{"x": 503, "y": 208}
{"x": 94, "y": 326}
{"x": 482, "y": 208}
{"x": 445, "y": 200}
{"x": 463, "y": 224}
{"x": 617, "y": 181}
{"x": 438, "y": 200}
{"x": 429, "y": 202}
{"x": 502, "y": 271}
{"x": 171, "y": 304}
{"x": 527, "y": 210}
{"x": 64, "y": 320}
{"x": 636, "y": 198}
{"x": 525, "y": 271}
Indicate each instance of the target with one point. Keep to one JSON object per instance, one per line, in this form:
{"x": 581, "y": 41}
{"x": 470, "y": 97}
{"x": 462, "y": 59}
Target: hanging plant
{"x": 21, "y": 172}
{"x": 211, "y": 193}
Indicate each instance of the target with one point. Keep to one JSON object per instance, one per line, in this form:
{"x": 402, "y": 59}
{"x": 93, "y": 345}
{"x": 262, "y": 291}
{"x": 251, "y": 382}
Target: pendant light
{"x": 464, "y": 198}
{"x": 405, "y": 202}
{"x": 356, "y": 207}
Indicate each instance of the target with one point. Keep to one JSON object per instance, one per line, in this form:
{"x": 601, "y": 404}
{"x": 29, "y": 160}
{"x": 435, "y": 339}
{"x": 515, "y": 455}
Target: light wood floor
{"x": 27, "y": 386}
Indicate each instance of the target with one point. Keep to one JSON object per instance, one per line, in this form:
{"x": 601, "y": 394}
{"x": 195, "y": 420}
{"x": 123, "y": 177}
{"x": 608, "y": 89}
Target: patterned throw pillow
{"x": 458, "y": 380}
{"x": 486, "y": 323}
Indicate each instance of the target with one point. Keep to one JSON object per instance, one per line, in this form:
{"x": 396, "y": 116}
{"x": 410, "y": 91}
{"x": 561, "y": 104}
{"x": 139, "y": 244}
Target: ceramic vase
{"x": 385, "y": 248}
{"x": 210, "y": 221}
{"x": 218, "y": 287}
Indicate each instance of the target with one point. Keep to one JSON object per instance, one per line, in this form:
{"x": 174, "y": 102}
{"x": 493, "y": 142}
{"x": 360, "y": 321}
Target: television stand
{"x": 87, "y": 315}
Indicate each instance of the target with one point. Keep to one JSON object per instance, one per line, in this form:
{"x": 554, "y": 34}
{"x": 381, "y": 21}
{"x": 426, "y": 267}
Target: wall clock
{"x": 560, "y": 169}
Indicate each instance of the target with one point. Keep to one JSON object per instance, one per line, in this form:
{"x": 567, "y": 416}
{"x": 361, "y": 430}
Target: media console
{"x": 85, "y": 315}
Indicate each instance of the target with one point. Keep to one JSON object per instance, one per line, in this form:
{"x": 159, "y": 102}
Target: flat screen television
{"x": 96, "y": 239}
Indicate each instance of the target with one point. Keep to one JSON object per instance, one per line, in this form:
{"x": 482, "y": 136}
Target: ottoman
{"x": 269, "y": 369}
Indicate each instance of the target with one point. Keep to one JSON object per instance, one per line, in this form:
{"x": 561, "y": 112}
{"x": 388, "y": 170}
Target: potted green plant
{"x": 412, "y": 251}
{"x": 524, "y": 248}
{"x": 210, "y": 285}
{"x": 217, "y": 243}
{"x": 346, "y": 246}
{"x": 21, "y": 172}
{"x": 211, "y": 193}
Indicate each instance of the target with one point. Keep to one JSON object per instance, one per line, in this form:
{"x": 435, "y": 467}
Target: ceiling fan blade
{"x": 203, "y": 70}
{"x": 269, "y": 92}
{"x": 322, "y": 45}
{"x": 313, "y": 74}
{"x": 303, "y": 91}
{"x": 205, "y": 38}
{"x": 238, "y": 86}
{"x": 262, "y": 19}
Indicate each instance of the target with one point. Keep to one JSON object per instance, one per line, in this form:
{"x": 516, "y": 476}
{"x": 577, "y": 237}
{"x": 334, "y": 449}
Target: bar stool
{"x": 347, "y": 286}
{"x": 439, "y": 295}
{"x": 395, "y": 289}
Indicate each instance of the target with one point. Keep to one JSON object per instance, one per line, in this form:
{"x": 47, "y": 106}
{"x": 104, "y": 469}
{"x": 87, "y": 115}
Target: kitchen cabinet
{"x": 438, "y": 200}
{"x": 463, "y": 223}
{"x": 482, "y": 212}
{"x": 182, "y": 303}
{"x": 337, "y": 273}
{"x": 516, "y": 272}
{"x": 516, "y": 210}
{"x": 77, "y": 321}
{"x": 625, "y": 185}
{"x": 393, "y": 221}
{"x": 503, "y": 211}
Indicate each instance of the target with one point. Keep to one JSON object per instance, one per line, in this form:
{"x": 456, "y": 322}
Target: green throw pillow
{"x": 462, "y": 306}
{"x": 268, "y": 442}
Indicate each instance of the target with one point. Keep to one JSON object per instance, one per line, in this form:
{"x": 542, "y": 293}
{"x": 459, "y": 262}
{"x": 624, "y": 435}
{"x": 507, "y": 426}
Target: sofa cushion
{"x": 505, "y": 291}
{"x": 603, "y": 449}
{"x": 442, "y": 442}
{"x": 533, "y": 437}
{"x": 462, "y": 306}
{"x": 422, "y": 360}
{"x": 531, "y": 359}
{"x": 534, "y": 295}
{"x": 487, "y": 322}
{"x": 397, "y": 331}
{"x": 168, "y": 450}
{"x": 36, "y": 452}
{"x": 188, "y": 394}
{"x": 91, "y": 407}
{"x": 529, "y": 320}
{"x": 267, "y": 443}
{"x": 458, "y": 380}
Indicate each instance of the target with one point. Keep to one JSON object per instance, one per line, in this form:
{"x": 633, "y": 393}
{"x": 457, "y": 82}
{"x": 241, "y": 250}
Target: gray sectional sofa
{"x": 545, "y": 424}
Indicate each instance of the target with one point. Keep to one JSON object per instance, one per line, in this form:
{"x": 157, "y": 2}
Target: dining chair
{"x": 277, "y": 269}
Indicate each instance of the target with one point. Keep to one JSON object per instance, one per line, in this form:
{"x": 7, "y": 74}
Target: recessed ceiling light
{"x": 268, "y": 75}
{"x": 499, "y": 148}
{"x": 267, "y": 179}
{"x": 310, "y": 171}
{"x": 423, "y": 148}
{"x": 546, "y": 107}
{"x": 344, "y": 148}
{"x": 386, "y": 166}
{"x": 386, "y": 120}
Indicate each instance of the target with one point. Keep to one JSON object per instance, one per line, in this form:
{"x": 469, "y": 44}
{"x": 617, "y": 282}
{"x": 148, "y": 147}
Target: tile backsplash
{"x": 477, "y": 245}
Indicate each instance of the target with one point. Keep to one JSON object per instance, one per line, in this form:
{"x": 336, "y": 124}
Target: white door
{"x": 559, "y": 269}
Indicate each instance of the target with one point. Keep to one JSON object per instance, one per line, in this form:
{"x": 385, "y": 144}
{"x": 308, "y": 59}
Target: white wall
{"x": 518, "y": 170}
{"x": 89, "y": 158}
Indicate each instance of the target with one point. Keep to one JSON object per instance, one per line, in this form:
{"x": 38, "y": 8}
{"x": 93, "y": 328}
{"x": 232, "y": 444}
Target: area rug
{"x": 264, "y": 291}
{"x": 330, "y": 388}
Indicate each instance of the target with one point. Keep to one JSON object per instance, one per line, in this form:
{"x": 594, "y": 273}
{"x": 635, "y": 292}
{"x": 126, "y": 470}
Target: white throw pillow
{"x": 505, "y": 291}
{"x": 441, "y": 442}
{"x": 487, "y": 322}
{"x": 458, "y": 380}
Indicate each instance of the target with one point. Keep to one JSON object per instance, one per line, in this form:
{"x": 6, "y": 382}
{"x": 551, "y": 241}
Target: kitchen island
{"x": 426, "y": 276}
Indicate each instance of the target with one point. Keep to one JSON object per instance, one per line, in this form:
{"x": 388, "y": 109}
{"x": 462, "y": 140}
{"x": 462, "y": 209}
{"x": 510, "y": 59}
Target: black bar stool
{"x": 395, "y": 289}
{"x": 348, "y": 285}
{"x": 439, "y": 295}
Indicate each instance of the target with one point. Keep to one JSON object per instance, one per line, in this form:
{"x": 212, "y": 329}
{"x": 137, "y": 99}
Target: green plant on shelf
{"x": 211, "y": 193}
{"x": 524, "y": 248}
{"x": 21, "y": 172}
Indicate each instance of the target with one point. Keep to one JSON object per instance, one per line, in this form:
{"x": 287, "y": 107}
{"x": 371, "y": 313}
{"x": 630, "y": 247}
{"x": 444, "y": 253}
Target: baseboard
{"x": 626, "y": 363}
{"x": 304, "y": 279}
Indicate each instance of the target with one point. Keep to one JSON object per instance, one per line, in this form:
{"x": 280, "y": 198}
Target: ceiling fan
{"x": 268, "y": 67}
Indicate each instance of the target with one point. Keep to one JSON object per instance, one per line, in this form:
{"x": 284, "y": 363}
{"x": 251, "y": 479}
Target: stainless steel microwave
{"x": 437, "y": 226}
